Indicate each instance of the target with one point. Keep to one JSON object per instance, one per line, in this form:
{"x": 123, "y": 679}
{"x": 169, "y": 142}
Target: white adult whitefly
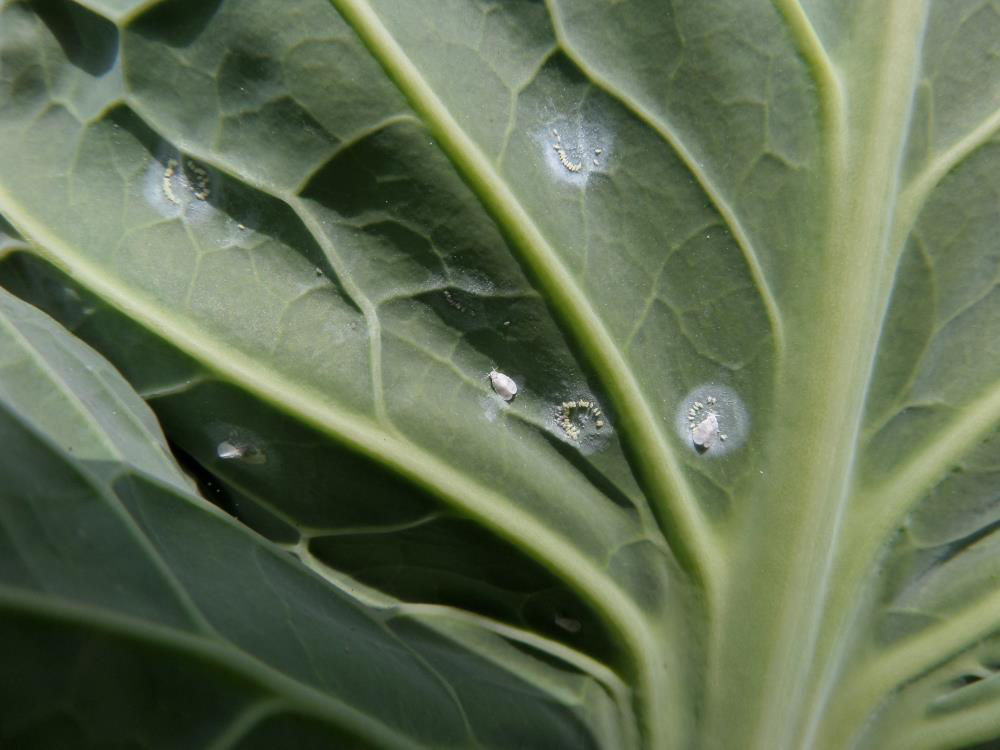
{"x": 705, "y": 433}
{"x": 227, "y": 450}
{"x": 504, "y": 386}
{"x": 712, "y": 420}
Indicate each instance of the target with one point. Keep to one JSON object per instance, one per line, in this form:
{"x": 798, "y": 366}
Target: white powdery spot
{"x": 581, "y": 422}
{"x": 712, "y": 420}
{"x": 574, "y": 150}
{"x": 174, "y": 185}
{"x": 472, "y": 282}
{"x": 158, "y": 183}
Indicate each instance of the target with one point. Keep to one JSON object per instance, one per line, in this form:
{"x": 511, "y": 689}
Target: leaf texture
{"x": 306, "y": 232}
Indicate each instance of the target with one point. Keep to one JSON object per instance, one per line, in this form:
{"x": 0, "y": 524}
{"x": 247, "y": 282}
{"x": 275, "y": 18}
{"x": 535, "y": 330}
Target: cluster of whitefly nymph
{"x": 703, "y": 423}
{"x": 571, "y": 166}
{"x": 199, "y": 186}
{"x": 569, "y": 413}
{"x": 168, "y": 177}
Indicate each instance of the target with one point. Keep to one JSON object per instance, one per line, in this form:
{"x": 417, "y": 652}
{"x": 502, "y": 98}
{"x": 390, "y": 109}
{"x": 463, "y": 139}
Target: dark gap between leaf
{"x": 208, "y": 484}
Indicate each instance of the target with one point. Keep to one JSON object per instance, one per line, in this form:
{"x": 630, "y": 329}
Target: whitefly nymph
{"x": 574, "y": 416}
{"x": 504, "y": 386}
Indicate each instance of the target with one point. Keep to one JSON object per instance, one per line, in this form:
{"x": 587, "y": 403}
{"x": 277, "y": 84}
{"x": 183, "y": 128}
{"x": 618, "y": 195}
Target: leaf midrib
{"x": 817, "y": 420}
{"x": 684, "y": 524}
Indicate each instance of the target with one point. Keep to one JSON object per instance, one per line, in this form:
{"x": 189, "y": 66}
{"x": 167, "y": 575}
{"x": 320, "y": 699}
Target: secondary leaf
{"x": 129, "y": 589}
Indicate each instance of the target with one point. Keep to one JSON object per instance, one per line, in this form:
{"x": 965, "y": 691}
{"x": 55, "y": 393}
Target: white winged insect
{"x": 706, "y": 432}
{"x": 504, "y": 386}
{"x": 703, "y": 422}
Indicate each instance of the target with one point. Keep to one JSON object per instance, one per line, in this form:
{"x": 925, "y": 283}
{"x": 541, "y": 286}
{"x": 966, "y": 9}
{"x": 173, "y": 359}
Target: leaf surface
{"x": 306, "y": 233}
{"x": 122, "y": 591}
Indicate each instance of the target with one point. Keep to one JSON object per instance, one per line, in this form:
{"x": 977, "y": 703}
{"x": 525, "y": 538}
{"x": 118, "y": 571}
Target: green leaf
{"x": 127, "y": 604}
{"x": 305, "y": 232}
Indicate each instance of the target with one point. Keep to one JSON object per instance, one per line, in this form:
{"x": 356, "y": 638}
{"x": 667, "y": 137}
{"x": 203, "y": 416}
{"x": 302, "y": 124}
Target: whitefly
{"x": 503, "y": 385}
{"x": 712, "y": 420}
